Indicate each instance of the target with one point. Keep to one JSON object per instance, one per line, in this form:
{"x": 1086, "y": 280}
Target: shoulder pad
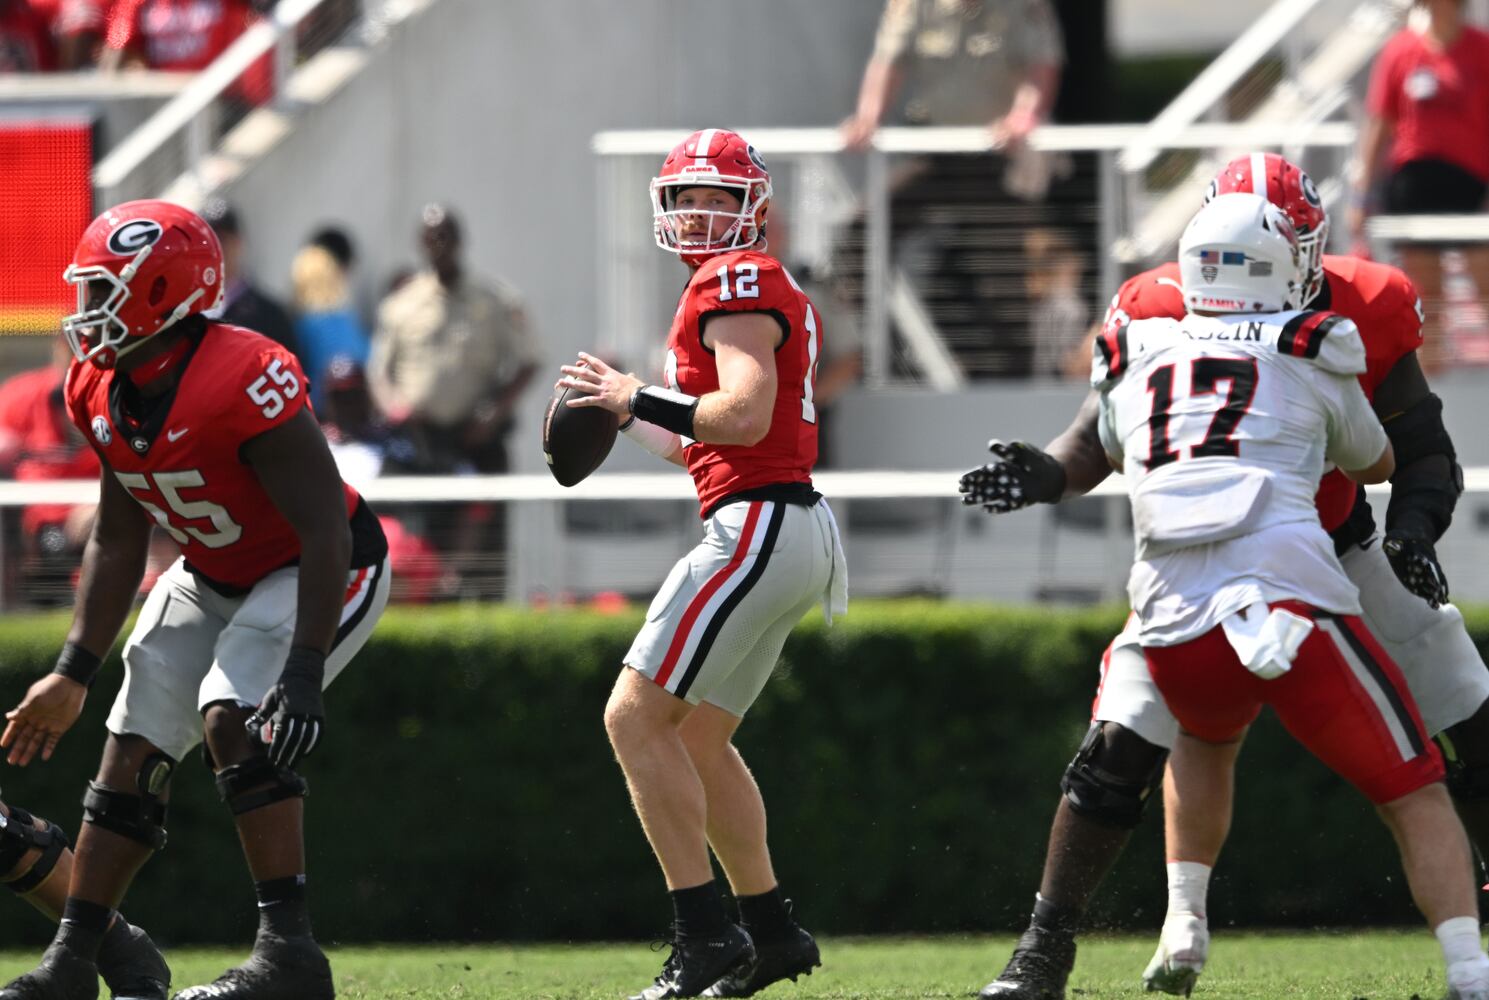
{"x": 1115, "y": 348}
{"x": 1328, "y": 339}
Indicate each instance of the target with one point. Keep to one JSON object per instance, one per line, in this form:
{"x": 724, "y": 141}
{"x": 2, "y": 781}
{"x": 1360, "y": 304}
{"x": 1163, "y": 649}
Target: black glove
{"x": 290, "y": 719}
{"x": 1415, "y": 562}
{"x": 1023, "y": 475}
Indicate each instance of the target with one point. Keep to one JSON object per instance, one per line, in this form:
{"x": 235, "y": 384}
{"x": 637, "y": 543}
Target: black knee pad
{"x": 256, "y": 783}
{"x": 19, "y": 836}
{"x": 1113, "y": 775}
{"x": 138, "y": 815}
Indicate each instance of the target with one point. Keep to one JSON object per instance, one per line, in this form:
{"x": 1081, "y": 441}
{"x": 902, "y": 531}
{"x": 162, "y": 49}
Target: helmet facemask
{"x": 726, "y": 232}
{"x": 96, "y": 332}
{"x": 1311, "y": 250}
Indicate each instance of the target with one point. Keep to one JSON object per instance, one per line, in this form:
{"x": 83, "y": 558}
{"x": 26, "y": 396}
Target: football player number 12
{"x": 809, "y": 381}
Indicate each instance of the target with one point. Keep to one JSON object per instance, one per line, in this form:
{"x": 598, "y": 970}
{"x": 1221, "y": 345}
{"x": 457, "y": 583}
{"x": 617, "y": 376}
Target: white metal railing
{"x": 626, "y": 269}
{"x": 188, "y": 119}
{"x": 1215, "y": 81}
{"x": 870, "y": 484}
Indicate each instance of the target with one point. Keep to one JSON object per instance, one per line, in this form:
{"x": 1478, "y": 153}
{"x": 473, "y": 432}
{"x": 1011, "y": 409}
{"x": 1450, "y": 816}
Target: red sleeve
{"x": 1384, "y": 96}
{"x": 1406, "y": 317}
{"x": 736, "y": 283}
{"x": 1151, "y": 295}
{"x": 124, "y": 23}
{"x": 268, "y": 389}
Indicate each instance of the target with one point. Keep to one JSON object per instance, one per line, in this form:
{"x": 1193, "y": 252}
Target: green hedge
{"x": 909, "y": 756}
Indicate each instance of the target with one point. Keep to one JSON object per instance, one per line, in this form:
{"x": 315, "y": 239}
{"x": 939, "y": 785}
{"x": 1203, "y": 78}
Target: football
{"x": 576, "y": 440}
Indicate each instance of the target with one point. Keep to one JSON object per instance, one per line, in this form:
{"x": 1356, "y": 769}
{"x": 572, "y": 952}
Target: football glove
{"x": 291, "y": 718}
{"x": 1023, "y": 475}
{"x": 1415, "y": 562}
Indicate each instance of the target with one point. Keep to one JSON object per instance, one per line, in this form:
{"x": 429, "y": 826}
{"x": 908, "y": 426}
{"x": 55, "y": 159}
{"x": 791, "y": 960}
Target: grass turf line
{"x": 1375, "y": 965}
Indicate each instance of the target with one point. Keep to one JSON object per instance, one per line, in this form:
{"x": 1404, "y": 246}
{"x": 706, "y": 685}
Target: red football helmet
{"x": 1290, "y": 189}
{"x": 139, "y": 268}
{"x": 711, "y": 158}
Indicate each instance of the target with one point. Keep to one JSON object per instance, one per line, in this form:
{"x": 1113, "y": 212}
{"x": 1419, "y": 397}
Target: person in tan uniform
{"x": 452, "y": 355}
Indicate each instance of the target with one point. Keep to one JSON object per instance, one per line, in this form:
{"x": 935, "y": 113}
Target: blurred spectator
{"x": 186, "y": 36}
{"x": 365, "y": 448}
{"x": 77, "y": 28}
{"x": 26, "y": 44}
{"x": 1060, "y": 313}
{"x": 1427, "y": 116}
{"x": 38, "y": 442}
{"x": 452, "y": 355}
{"x": 965, "y": 62}
{"x": 326, "y": 326}
{"x": 243, "y": 303}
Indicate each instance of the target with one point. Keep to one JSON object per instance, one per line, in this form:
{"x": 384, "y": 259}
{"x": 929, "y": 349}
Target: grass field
{"x": 1322, "y": 966}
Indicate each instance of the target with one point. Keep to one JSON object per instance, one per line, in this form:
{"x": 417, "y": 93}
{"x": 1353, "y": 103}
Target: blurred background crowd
{"x": 428, "y": 328}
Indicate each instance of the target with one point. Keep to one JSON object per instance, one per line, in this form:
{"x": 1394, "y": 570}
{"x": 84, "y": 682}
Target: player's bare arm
{"x": 1426, "y": 483}
{"x": 113, "y": 565}
{"x": 295, "y": 467}
{"x": 738, "y": 412}
{"x": 1073, "y": 464}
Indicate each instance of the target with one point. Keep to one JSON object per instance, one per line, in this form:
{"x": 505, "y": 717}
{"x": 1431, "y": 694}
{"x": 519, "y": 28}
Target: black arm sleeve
{"x": 1428, "y": 479}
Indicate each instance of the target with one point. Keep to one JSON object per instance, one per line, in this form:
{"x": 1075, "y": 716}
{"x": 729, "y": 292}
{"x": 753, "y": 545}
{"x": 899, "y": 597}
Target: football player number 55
{"x": 270, "y": 397}
{"x": 225, "y": 531}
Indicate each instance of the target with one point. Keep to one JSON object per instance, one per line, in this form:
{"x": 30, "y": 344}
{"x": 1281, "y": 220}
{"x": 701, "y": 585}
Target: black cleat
{"x": 279, "y": 969}
{"x": 62, "y": 975}
{"x": 1041, "y": 963}
{"x": 696, "y": 964}
{"x": 794, "y": 955}
{"x": 131, "y": 966}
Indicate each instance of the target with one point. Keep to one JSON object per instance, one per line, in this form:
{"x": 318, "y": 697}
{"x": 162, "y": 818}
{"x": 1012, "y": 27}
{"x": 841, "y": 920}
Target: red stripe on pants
{"x": 700, "y": 600}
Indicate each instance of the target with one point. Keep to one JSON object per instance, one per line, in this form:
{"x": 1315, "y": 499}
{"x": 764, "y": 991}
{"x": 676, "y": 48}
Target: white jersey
{"x": 1222, "y": 426}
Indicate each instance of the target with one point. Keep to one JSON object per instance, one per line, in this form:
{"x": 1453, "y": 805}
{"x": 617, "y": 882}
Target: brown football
{"x": 576, "y": 439}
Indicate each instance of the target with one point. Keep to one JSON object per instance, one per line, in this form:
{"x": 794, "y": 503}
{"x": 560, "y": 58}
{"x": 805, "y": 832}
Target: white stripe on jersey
{"x": 1372, "y": 687}
{"x": 700, "y": 152}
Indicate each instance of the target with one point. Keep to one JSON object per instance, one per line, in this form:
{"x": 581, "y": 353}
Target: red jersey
{"x": 1380, "y": 299}
{"x": 187, "y": 35}
{"x": 1436, "y": 99}
{"x": 46, "y": 444}
{"x": 749, "y": 281}
{"x": 182, "y": 464}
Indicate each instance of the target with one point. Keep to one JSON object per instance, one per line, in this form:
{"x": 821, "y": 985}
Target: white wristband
{"x": 657, "y": 440}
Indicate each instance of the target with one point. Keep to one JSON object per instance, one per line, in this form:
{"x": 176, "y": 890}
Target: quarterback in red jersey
{"x": 203, "y": 430}
{"x": 1402, "y": 590}
{"x": 736, "y": 410}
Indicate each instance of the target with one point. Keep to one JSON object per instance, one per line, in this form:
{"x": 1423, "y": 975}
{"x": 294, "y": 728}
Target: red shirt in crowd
{"x": 187, "y": 35}
{"x": 1437, "y": 99}
{"x": 25, "y": 39}
{"x": 41, "y": 441}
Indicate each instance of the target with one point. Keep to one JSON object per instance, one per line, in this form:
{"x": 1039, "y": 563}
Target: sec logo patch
{"x": 101, "y": 431}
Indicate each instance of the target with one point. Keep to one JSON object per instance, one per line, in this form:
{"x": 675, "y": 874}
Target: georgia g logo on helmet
{"x": 134, "y": 235}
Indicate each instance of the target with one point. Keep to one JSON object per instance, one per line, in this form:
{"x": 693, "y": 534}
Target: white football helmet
{"x": 1239, "y": 254}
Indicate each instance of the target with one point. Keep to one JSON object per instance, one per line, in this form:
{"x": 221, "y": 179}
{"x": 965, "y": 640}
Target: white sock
{"x": 1189, "y": 887}
{"x": 1459, "y": 938}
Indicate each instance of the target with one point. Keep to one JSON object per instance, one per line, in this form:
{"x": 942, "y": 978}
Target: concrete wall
{"x": 491, "y": 106}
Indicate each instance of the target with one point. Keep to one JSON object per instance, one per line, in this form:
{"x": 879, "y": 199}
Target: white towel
{"x": 1266, "y": 641}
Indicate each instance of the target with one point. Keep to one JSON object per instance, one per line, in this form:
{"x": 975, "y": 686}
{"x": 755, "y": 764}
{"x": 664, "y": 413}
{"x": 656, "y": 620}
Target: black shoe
{"x": 794, "y": 955}
{"x": 696, "y": 964}
{"x": 279, "y": 969}
{"x": 62, "y": 975}
{"x": 131, "y": 965}
{"x": 1038, "y": 969}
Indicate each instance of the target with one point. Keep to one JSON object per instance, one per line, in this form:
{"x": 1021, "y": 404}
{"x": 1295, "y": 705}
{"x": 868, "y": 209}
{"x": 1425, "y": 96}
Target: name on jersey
{"x": 1240, "y": 332}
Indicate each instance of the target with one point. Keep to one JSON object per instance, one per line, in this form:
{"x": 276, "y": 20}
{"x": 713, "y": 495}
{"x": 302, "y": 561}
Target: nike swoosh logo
{"x": 176, "y": 434}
